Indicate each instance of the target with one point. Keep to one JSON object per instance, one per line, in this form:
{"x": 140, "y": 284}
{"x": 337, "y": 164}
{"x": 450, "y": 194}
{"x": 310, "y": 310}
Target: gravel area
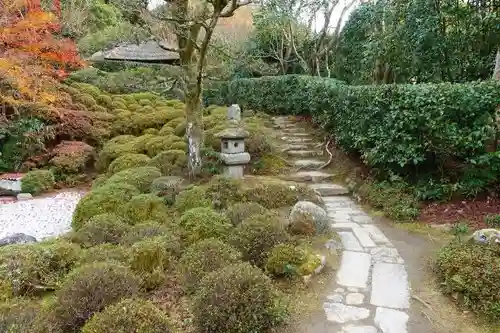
{"x": 41, "y": 217}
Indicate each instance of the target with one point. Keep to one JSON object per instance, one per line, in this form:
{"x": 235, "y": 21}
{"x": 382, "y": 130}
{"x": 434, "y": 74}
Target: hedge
{"x": 393, "y": 127}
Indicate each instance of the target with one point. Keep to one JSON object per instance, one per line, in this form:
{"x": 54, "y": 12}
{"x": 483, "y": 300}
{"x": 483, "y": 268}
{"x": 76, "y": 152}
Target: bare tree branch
{"x": 229, "y": 11}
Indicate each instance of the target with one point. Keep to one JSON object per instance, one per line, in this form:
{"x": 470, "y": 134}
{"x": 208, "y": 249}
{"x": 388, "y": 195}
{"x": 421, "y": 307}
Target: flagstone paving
{"x": 372, "y": 291}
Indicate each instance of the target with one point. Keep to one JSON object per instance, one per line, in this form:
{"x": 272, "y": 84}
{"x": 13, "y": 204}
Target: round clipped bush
{"x": 144, "y": 102}
{"x": 72, "y": 156}
{"x": 134, "y": 106}
{"x": 180, "y": 129}
{"x": 37, "y": 181}
{"x": 147, "y": 229}
{"x": 105, "y": 101}
{"x": 224, "y": 191}
{"x": 205, "y": 257}
{"x": 161, "y": 143}
{"x": 166, "y": 130}
{"x": 470, "y": 272}
{"x": 167, "y": 187}
{"x": 105, "y": 199}
{"x": 101, "y": 113}
{"x": 129, "y": 316}
{"x": 239, "y": 212}
{"x": 88, "y": 290}
{"x": 152, "y": 131}
{"x": 238, "y": 299}
{"x": 26, "y": 270}
{"x": 274, "y": 195}
{"x": 100, "y": 229}
{"x": 145, "y": 207}
{"x": 105, "y": 253}
{"x": 118, "y": 105}
{"x": 86, "y": 99}
{"x": 286, "y": 260}
{"x": 150, "y": 259}
{"x": 192, "y": 198}
{"x": 257, "y": 236}
{"x": 171, "y": 162}
{"x": 18, "y": 316}
{"x": 139, "y": 177}
{"x": 203, "y": 222}
{"x": 128, "y": 161}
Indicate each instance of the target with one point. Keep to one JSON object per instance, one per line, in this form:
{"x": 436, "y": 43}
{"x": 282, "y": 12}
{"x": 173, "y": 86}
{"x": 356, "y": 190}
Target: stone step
{"x": 290, "y": 139}
{"x": 297, "y": 146}
{"x": 308, "y": 164}
{"x": 328, "y": 190}
{"x": 293, "y": 130}
{"x": 310, "y": 176}
{"x": 304, "y": 153}
{"x": 298, "y": 134}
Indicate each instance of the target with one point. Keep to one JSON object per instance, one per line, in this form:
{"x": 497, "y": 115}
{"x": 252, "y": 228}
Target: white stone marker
{"x": 354, "y": 269}
{"x": 390, "y": 286}
{"x": 234, "y": 112}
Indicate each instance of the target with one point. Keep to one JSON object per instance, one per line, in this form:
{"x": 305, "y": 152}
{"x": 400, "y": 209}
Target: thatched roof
{"x": 149, "y": 51}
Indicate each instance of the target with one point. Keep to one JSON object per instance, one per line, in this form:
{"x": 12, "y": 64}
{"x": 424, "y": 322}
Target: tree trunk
{"x": 496, "y": 73}
{"x": 194, "y": 119}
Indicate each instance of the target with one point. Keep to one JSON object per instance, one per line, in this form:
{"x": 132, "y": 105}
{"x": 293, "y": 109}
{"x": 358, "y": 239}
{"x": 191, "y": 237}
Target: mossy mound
{"x": 171, "y": 162}
{"x": 128, "y": 161}
{"x": 38, "y": 181}
{"x": 205, "y": 257}
{"x": 287, "y": 260}
{"x": 193, "y": 197}
{"x": 238, "y": 299}
{"x": 88, "y": 290}
{"x": 129, "y": 316}
{"x": 100, "y": 229}
{"x": 202, "y": 223}
{"x": 239, "y": 212}
{"x": 140, "y": 177}
{"x": 145, "y": 207}
{"x": 159, "y": 144}
{"x": 105, "y": 253}
{"x": 105, "y": 199}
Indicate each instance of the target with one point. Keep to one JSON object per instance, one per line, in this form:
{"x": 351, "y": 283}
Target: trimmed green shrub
{"x": 105, "y": 199}
{"x": 274, "y": 195}
{"x": 151, "y": 257}
{"x": 167, "y": 187}
{"x": 171, "y": 162}
{"x": 129, "y": 316}
{"x": 238, "y": 299}
{"x": 159, "y": 144}
{"x": 27, "y": 270}
{"x": 128, "y": 161}
{"x": 144, "y": 207}
{"x": 37, "y": 181}
{"x": 72, "y": 156}
{"x": 88, "y": 290}
{"x": 286, "y": 260}
{"x": 105, "y": 253}
{"x": 205, "y": 257}
{"x": 180, "y": 129}
{"x": 223, "y": 191}
{"x": 152, "y": 131}
{"x": 105, "y": 100}
{"x": 140, "y": 177}
{"x": 191, "y": 198}
{"x": 470, "y": 273}
{"x": 85, "y": 99}
{"x": 203, "y": 222}
{"x": 100, "y": 229}
{"x": 18, "y": 316}
{"x": 147, "y": 229}
{"x": 166, "y": 130}
{"x": 239, "y": 212}
{"x": 257, "y": 236}
{"x": 401, "y": 128}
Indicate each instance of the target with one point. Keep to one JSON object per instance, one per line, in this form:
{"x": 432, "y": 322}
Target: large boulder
{"x": 308, "y": 218}
{"x": 19, "y": 238}
{"x": 485, "y": 236}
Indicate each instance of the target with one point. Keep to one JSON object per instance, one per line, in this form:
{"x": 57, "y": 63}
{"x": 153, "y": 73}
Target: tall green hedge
{"x": 393, "y": 127}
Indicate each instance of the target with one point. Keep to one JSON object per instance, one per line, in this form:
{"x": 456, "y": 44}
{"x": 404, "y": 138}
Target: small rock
{"x": 308, "y": 210}
{"x": 485, "y": 236}
{"x": 19, "y": 238}
{"x": 24, "y": 196}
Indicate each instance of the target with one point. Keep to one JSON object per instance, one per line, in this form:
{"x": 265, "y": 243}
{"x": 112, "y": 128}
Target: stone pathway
{"x": 372, "y": 293}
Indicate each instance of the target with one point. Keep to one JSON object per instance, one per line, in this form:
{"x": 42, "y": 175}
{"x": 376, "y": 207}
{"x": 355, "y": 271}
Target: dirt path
{"x": 384, "y": 283}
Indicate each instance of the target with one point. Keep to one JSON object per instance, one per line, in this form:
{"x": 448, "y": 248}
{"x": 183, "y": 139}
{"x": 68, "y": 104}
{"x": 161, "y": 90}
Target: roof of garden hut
{"x": 150, "y": 52}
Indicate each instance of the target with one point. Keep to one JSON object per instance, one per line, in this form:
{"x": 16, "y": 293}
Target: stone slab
{"x": 299, "y": 133}
{"x": 310, "y": 176}
{"x": 341, "y": 313}
{"x": 376, "y": 234}
{"x": 390, "y": 286}
{"x": 304, "y": 153}
{"x": 328, "y": 190}
{"x": 354, "y": 269}
{"x": 364, "y": 237}
{"x": 391, "y": 321}
{"x": 354, "y": 298}
{"x": 350, "y": 242}
{"x": 387, "y": 255}
{"x": 344, "y": 225}
{"x": 362, "y": 218}
{"x": 358, "y": 329}
{"x": 295, "y": 139}
{"x": 308, "y": 163}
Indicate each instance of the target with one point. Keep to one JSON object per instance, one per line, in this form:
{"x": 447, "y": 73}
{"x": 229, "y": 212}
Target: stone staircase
{"x": 371, "y": 293}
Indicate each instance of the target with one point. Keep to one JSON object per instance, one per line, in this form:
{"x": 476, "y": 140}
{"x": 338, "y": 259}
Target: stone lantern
{"x": 233, "y": 151}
